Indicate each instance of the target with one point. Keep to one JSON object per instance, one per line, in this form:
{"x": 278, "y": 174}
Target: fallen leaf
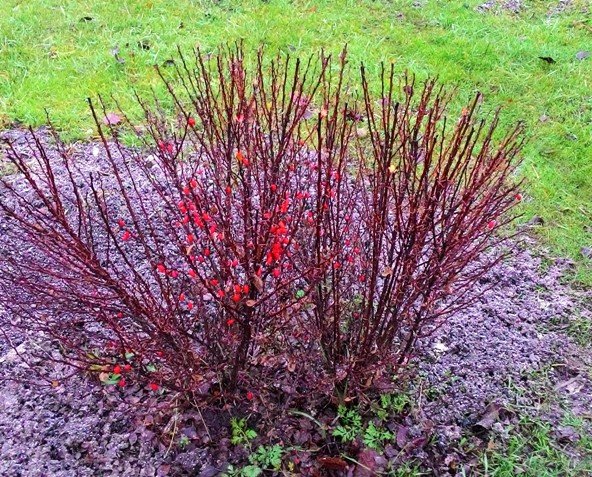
{"x": 111, "y": 119}
{"x": 367, "y": 466}
{"x": 416, "y": 443}
{"x": 536, "y": 220}
{"x": 489, "y": 417}
{"x": 386, "y": 272}
{"x": 115, "y": 53}
{"x": 332, "y": 463}
{"x": 566, "y": 434}
{"x": 572, "y": 386}
{"x": 582, "y": 55}
{"x": 258, "y": 282}
{"x": 402, "y": 432}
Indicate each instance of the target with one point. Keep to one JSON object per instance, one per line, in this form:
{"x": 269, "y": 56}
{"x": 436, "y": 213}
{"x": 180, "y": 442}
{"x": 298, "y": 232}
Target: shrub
{"x": 277, "y": 219}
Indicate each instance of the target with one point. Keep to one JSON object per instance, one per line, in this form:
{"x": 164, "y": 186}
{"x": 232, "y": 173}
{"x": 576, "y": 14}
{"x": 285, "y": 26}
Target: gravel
{"x": 515, "y": 332}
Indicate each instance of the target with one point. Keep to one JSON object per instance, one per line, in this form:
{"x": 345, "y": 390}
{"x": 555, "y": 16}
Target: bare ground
{"x": 513, "y": 350}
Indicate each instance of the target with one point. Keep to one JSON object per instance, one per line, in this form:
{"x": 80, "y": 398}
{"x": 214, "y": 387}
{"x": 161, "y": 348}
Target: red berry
{"x": 189, "y": 305}
{"x": 250, "y": 396}
{"x": 242, "y": 159}
{"x": 126, "y": 236}
{"x": 491, "y": 224}
{"x": 192, "y": 273}
{"x": 153, "y": 386}
{"x": 284, "y": 206}
{"x": 117, "y": 369}
{"x": 518, "y": 197}
{"x": 236, "y": 298}
{"x": 121, "y": 382}
{"x": 161, "y": 268}
{"x": 127, "y": 367}
{"x": 121, "y": 223}
{"x": 230, "y": 322}
{"x": 191, "y": 122}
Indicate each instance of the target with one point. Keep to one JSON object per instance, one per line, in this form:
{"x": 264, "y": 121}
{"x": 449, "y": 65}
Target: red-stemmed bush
{"x": 277, "y": 218}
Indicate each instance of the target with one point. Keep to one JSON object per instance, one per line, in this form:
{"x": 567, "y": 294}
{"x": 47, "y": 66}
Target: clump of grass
{"x": 533, "y": 451}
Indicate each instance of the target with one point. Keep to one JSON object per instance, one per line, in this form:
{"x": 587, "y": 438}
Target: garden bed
{"x": 519, "y": 352}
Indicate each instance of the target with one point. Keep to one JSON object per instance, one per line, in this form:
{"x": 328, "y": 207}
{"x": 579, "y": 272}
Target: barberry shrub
{"x": 273, "y": 218}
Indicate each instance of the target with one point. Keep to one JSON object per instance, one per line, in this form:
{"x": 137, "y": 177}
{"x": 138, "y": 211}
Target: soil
{"x": 485, "y": 368}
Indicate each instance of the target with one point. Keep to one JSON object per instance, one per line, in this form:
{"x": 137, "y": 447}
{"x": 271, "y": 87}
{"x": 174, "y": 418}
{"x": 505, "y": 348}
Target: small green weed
{"x": 350, "y": 424}
{"x": 375, "y": 437}
{"x": 241, "y": 434}
{"x": 268, "y": 457}
{"x": 373, "y": 434}
{"x": 265, "y": 458}
{"x": 392, "y": 404}
{"x": 246, "y": 471}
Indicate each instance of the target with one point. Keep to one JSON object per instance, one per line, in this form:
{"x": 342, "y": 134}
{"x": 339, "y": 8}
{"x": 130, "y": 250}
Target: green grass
{"x": 51, "y": 57}
{"x": 533, "y": 451}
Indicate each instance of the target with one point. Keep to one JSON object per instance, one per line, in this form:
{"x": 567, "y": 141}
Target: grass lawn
{"x": 55, "y": 53}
